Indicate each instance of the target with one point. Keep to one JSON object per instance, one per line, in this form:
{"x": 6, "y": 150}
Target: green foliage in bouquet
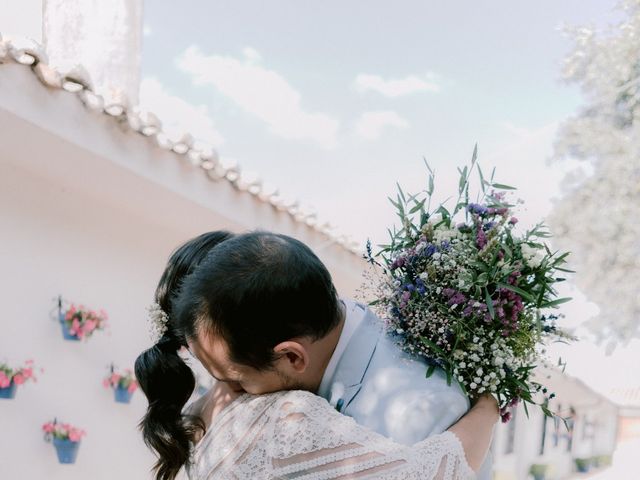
{"x": 460, "y": 288}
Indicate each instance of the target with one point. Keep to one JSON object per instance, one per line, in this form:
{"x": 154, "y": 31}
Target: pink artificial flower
{"x": 106, "y": 383}
{"x": 4, "y": 380}
{"x": 75, "y": 434}
{"x": 103, "y": 314}
{"x": 18, "y": 379}
{"x": 27, "y": 372}
{"x": 48, "y": 427}
{"x": 90, "y": 325}
{"x": 115, "y": 378}
{"x": 133, "y": 386}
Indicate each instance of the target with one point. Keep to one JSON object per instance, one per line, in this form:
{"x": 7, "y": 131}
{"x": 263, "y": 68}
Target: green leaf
{"x": 489, "y": 303}
{"x": 417, "y": 207}
{"x": 401, "y": 193}
{"x": 482, "y": 180}
{"x": 519, "y": 291}
{"x": 555, "y": 303}
{"x": 433, "y": 346}
{"x": 463, "y": 179}
{"x": 430, "y": 370}
{"x": 502, "y": 186}
{"x": 566, "y": 270}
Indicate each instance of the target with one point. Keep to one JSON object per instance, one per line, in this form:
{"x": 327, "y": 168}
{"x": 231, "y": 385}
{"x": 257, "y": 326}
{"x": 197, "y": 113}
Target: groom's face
{"x": 213, "y": 353}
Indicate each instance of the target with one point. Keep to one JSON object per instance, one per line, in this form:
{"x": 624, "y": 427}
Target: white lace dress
{"x": 297, "y": 435}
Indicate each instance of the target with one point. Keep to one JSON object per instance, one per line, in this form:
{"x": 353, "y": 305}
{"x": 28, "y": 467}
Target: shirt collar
{"x": 353, "y": 317}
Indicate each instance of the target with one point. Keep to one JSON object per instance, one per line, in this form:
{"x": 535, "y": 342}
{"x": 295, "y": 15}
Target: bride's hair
{"x": 166, "y": 380}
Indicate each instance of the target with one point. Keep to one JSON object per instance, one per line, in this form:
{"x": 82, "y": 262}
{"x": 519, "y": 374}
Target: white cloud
{"x": 371, "y": 124}
{"x": 177, "y": 115}
{"x": 260, "y": 92}
{"x": 396, "y": 87}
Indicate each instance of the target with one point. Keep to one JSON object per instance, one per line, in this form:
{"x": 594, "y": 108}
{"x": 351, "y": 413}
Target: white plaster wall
{"x": 55, "y": 240}
{"x": 91, "y": 212}
{"x": 21, "y": 19}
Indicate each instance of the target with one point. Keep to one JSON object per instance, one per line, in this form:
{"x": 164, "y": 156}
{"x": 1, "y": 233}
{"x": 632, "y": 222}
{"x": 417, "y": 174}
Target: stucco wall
{"x": 91, "y": 212}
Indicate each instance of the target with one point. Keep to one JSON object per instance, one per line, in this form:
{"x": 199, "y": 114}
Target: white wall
{"x": 21, "y": 18}
{"x": 55, "y": 240}
{"x": 91, "y": 212}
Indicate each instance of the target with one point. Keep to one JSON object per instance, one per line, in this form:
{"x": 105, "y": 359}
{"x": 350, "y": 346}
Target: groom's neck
{"x": 322, "y": 351}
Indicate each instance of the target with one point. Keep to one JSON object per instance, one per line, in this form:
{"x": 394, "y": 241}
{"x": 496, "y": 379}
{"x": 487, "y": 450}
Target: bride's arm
{"x": 475, "y": 429}
{"x": 311, "y": 435}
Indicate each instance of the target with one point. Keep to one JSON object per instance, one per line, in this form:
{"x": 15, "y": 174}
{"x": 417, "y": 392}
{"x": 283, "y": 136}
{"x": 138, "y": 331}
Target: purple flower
{"x": 481, "y": 239}
{"x": 477, "y": 208}
{"x": 513, "y": 220}
{"x": 430, "y": 250}
{"x": 488, "y": 226}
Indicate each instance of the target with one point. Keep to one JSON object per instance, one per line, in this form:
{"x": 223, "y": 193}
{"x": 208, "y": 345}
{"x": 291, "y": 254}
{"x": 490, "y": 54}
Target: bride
{"x": 230, "y": 434}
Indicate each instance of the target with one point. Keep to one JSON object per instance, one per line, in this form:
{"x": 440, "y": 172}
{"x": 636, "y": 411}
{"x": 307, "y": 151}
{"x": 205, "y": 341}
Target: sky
{"x": 334, "y": 102}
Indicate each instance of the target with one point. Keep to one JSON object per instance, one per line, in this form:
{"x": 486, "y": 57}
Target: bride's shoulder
{"x": 300, "y": 400}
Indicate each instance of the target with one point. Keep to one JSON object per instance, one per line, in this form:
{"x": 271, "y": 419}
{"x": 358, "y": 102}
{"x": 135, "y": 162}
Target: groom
{"x": 269, "y": 319}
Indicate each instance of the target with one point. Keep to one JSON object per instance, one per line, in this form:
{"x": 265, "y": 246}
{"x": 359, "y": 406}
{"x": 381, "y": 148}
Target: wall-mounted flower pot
{"x": 66, "y": 450}
{"x": 8, "y": 392}
{"x": 122, "y": 395}
{"x": 583, "y": 464}
{"x": 65, "y": 329}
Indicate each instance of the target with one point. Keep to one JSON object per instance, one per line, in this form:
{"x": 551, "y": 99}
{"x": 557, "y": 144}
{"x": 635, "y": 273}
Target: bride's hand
{"x": 487, "y": 401}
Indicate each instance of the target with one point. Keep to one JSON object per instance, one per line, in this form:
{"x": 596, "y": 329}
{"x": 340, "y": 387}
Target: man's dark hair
{"x": 256, "y": 290}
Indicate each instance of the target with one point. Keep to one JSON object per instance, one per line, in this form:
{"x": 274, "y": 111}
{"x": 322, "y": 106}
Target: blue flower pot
{"x": 65, "y": 331}
{"x": 66, "y": 449}
{"x": 8, "y": 392}
{"x": 122, "y": 395}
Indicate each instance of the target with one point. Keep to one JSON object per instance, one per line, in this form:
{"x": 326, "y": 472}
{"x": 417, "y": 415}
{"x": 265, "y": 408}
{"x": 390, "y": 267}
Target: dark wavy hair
{"x": 256, "y": 290}
{"x": 166, "y": 380}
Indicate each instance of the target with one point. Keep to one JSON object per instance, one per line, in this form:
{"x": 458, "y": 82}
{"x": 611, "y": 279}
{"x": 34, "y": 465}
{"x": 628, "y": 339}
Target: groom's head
{"x": 260, "y": 311}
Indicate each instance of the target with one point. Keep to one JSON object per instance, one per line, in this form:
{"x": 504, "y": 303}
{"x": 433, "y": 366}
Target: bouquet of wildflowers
{"x": 124, "y": 380}
{"x": 18, "y": 375}
{"x": 62, "y": 431}
{"x": 83, "y": 322}
{"x": 460, "y": 288}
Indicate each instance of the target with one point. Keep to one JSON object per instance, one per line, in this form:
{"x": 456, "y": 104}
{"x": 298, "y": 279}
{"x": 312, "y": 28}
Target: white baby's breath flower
{"x": 158, "y": 322}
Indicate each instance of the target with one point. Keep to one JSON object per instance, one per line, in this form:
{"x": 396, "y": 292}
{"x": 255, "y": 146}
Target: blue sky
{"x": 367, "y": 89}
{"x": 333, "y": 102}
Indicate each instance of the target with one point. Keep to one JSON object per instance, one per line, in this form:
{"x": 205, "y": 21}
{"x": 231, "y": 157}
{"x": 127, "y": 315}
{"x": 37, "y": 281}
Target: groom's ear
{"x": 293, "y": 354}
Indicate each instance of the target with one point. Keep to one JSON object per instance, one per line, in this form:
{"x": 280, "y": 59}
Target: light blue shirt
{"x": 384, "y": 388}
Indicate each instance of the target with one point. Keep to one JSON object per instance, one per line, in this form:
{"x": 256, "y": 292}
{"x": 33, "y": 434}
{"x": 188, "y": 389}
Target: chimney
{"x": 104, "y": 37}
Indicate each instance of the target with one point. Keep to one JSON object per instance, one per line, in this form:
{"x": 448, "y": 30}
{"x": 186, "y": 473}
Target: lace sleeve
{"x": 311, "y": 441}
{"x": 298, "y": 435}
